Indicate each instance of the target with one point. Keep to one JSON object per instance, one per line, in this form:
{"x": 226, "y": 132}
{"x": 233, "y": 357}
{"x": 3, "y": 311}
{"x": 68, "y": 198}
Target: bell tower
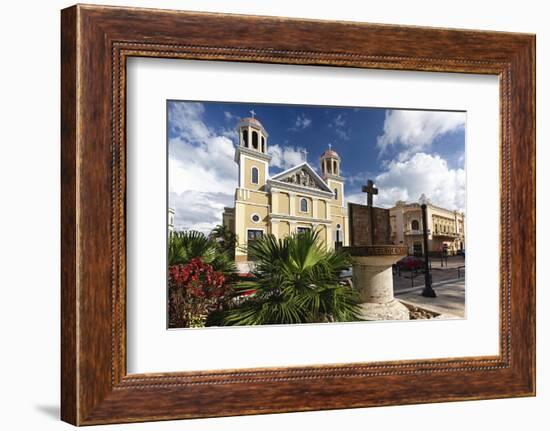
{"x": 251, "y": 154}
{"x": 252, "y": 199}
{"x": 330, "y": 163}
{"x": 252, "y": 134}
{"x": 330, "y": 171}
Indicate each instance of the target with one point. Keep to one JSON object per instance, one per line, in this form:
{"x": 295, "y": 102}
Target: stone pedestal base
{"x": 372, "y": 277}
{"x": 392, "y": 310}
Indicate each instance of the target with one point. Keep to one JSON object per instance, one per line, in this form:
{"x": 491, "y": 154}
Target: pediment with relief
{"x": 304, "y": 177}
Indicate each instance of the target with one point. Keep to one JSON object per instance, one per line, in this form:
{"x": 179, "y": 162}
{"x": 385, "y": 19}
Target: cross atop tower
{"x": 370, "y": 190}
{"x": 305, "y": 155}
{"x": 329, "y": 146}
{"x": 252, "y": 113}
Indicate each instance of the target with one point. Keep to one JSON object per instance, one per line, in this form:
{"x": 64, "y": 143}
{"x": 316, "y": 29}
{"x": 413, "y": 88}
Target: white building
{"x": 171, "y": 215}
{"x": 445, "y": 228}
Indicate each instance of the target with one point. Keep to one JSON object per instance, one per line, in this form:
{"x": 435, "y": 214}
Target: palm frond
{"x": 186, "y": 245}
{"x": 296, "y": 281}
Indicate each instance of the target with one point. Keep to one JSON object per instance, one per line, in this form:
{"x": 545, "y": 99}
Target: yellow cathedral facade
{"x": 290, "y": 202}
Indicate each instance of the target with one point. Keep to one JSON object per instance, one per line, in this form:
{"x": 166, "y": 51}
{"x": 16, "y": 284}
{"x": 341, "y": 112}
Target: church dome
{"x": 330, "y": 153}
{"x": 253, "y": 121}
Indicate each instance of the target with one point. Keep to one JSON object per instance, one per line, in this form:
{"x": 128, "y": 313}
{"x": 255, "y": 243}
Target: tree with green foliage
{"x": 201, "y": 274}
{"x": 225, "y": 238}
{"x": 186, "y": 245}
{"x": 296, "y": 280}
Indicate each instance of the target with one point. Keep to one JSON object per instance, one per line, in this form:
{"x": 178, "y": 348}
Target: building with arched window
{"x": 292, "y": 201}
{"x": 445, "y": 228}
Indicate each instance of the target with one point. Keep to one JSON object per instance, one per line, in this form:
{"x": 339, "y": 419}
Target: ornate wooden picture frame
{"x": 96, "y": 42}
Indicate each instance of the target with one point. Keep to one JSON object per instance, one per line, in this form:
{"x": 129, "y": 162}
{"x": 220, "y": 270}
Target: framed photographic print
{"x": 321, "y": 214}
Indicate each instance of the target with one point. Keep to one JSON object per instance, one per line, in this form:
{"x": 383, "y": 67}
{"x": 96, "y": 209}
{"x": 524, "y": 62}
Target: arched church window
{"x": 255, "y": 175}
{"x": 336, "y": 194}
{"x": 255, "y": 140}
{"x": 245, "y": 138}
{"x": 303, "y": 205}
{"x": 335, "y": 167}
{"x": 415, "y": 225}
{"x": 263, "y": 144}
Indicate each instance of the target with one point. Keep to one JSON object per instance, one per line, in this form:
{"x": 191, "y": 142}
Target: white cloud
{"x": 230, "y": 133}
{"x": 357, "y": 179}
{"x": 285, "y": 157}
{"x": 342, "y": 134}
{"x": 423, "y": 173}
{"x": 461, "y": 158}
{"x": 230, "y": 117}
{"x": 414, "y": 131}
{"x": 302, "y": 122}
{"x": 202, "y": 172}
{"x": 199, "y": 210}
{"x": 339, "y": 121}
{"x": 193, "y": 175}
{"x": 185, "y": 119}
{"x": 338, "y": 124}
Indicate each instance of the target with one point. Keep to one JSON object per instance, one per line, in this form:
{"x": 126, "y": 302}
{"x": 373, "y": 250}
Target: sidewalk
{"x": 404, "y": 283}
{"x": 450, "y": 300}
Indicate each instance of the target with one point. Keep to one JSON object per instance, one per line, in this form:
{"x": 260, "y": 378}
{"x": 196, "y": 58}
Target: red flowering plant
{"x": 196, "y": 290}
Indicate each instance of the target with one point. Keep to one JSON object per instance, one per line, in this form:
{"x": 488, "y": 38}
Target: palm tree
{"x": 296, "y": 281}
{"x": 225, "y": 238}
{"x": 184, "y": 246}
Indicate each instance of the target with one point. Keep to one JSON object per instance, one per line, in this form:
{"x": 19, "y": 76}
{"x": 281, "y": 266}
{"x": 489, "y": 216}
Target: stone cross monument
{"x": 370, "y": 190}
{"x": 369, "y": 225}
{"x": 373, "y": 256}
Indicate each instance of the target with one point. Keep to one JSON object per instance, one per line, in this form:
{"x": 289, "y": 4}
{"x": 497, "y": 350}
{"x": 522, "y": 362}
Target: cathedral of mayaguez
{"x": 292, "y": 201}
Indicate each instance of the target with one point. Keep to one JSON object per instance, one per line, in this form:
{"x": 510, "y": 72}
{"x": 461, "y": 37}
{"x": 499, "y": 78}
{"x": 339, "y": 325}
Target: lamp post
{"x": 428, "y": 291}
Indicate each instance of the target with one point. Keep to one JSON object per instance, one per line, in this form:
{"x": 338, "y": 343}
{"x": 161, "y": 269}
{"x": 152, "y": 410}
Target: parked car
{"x": 410, "y": 263}
{"x": 461, "y": 253}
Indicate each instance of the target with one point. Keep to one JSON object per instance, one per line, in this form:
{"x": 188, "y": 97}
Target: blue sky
{"x": 405, "y": 152}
